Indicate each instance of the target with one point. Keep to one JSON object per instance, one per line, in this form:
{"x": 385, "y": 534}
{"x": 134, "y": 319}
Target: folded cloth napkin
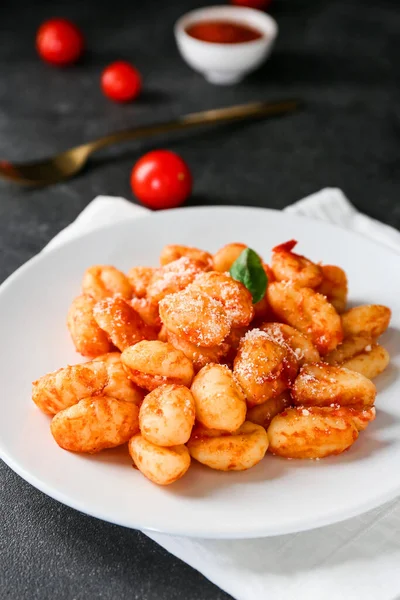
{"x": 358, "y": 559}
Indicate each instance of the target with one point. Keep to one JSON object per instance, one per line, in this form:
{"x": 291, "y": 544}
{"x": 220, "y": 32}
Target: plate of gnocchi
{"x": 219, "y": 372}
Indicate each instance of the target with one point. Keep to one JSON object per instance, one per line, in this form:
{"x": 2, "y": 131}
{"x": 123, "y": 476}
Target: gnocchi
{"x": 173, "y": 277}
{"x": 104, "y": 281}
{"x": 360, "y": 353}
{"x": 323, "y": 385}
{"x": 263, "y": 368}
{"x": 307, "y": 311}
{"x": 291, "y": 338}
{"x": 372, "y": 319}
{"x": 122, "y": 324}
{"x": 150, "y": 364}
{"x": 199, "y": 355}
{"x": 201, "y": 372}
{"x": 65, "y": 387}
{"x": 167, "y": 415}
{"x": 370, "y": 363}
{"x": 311, "y": 432}
{"x": 94, "y": 424}
{"x": 174, "y": 252}
{"x": 195, "y": 316}
{"x": 350, "y": 347}
{"x": 88, "y": 338}
{"x": 233, "y": 295}
{"x": 226, "y": 256}
{"x": 288, "y": 266}
{"x": 219, "y": 401}
{"x": 159, "y": 464}
{"x": 237, "y": 451}
{"x": 334, "y": 286}
{"x": 140, "y": 278}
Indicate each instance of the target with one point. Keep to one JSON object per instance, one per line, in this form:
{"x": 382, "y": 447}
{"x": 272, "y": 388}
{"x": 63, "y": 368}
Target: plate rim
{"x": 332, "y": 518}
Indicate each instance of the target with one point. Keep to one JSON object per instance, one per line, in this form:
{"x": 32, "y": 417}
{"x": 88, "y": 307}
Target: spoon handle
{"x": 215, "y": 116}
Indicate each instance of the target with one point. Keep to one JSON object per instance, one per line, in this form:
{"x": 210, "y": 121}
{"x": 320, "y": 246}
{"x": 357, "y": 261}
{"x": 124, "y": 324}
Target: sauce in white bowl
{"x": 225, "y": 43}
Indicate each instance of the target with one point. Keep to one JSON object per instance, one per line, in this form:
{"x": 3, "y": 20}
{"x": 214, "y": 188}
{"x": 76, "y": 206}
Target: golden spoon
{"x": 70, "y": 162}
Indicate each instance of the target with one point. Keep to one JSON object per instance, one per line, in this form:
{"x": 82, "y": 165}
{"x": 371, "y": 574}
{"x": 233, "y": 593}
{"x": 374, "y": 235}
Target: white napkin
{"x": 358, "y": 559}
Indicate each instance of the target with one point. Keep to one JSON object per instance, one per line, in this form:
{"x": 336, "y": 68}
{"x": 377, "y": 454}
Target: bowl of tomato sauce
{"x": 225, "y": 43}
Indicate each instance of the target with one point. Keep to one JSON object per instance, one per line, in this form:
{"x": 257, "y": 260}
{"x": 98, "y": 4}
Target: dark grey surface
{"x": 340, "y": 56}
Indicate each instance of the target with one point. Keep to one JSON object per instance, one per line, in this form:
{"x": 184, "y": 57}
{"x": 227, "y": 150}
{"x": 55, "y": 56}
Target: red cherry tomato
{"x": 161, "y": 179}
{"x": 59, "y": 42}
{"x": 121, "y": 82}
{"x": 260, "y": 4}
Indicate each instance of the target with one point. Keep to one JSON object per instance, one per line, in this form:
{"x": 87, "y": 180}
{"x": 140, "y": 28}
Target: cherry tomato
{"x": 161, "y": 179}
{"x": 121, "y": 82}
{"x": 260, "y": 4}
{"x": 59, "y": 42}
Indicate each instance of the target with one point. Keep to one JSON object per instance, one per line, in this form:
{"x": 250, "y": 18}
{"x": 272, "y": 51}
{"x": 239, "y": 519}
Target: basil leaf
{"x": 248, "y": 269}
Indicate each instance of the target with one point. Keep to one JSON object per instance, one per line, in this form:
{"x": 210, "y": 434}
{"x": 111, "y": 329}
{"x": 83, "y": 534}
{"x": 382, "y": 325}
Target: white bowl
{"x": 225, "y": 64}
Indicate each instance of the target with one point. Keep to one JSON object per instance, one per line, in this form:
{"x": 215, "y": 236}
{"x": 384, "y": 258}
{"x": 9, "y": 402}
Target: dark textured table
{"x": 340, "y": 56}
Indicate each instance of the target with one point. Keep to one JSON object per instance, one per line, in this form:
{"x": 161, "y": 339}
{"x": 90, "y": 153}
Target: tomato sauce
{"x": 223, "y": 32}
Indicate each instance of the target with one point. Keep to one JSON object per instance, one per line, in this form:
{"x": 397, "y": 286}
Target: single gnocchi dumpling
{"x": 322, "y": 385}
{"x": 370, "y": 363}
{"x": 291, "y": 338}
{"x": 140, "y": 278}
{"x": 372, "y": 319}
{"x": 159, "y": 464}
{"x": 334, "y": 286}
{"x": 150, "y": 364}
{"x": 199, "y": 355}
{"x": 288, "y": 266}
{"x": 88, "y": 338}
{"x": 263, "y": 368}
{"x": 173, "y": 277}
{"x": 196, "y": 317}
{"x": 262, "y": 414}
{"x": 174, "y": 252}
{"x": 65, "y": 387}
{"x": 94, "y": 424}
{"x": 237, "y": 451}
{"x": 219, "y": 400}
{"x": 311, "y": 432}
{"x": 122, "y": 324}
{"x": 167, "y": 415}
{"x": 105, "y": 281}
{"x": 226, "y": 256}
{"x": 307, "y": 311}
{"x": 232, "y": 294}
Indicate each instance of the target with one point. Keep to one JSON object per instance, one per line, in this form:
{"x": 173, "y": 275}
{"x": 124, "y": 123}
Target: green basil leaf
{"x": 248, "y": 269}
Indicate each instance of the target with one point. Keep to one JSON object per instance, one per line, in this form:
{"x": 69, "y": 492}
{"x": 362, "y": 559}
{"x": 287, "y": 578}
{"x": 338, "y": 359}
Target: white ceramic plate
{"x": 275, "y": 497}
